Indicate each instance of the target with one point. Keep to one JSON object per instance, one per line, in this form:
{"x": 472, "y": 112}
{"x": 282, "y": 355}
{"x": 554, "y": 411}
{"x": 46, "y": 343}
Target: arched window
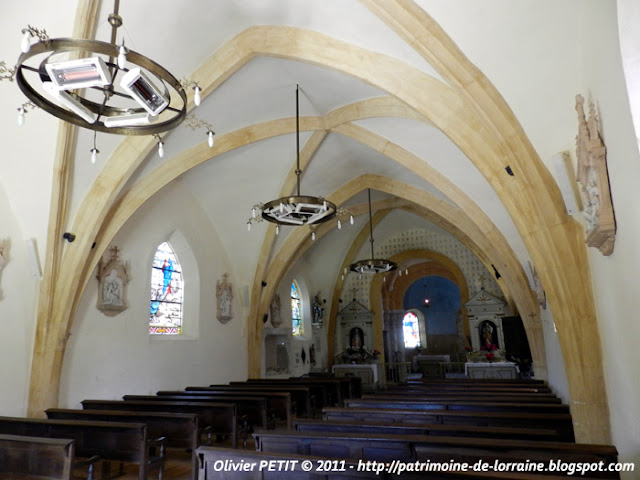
{"x": 167, "y": 293}
{"x": 411, "y": 330}
{"x": 296, "y": 310}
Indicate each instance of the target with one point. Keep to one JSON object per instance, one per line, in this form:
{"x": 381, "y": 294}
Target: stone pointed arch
{"x": 435, "y": 209}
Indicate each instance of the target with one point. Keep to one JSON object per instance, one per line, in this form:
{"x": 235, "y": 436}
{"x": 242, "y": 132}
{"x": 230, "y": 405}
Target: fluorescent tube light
{"x": 128, "y": 119}
{"x": 81, "y": 73}
{"x": 138, "y": 85}
{"x": 71, "y": 103}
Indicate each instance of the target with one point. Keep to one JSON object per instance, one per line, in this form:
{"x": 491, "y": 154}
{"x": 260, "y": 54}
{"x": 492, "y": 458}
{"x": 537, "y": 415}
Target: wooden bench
{"x": 211, "y": 458}
{"x": 326, "y": 392}
{"x": 560, "y": 422}
{"x": 469, "y": 396}
{"x": 494, "y": 389}
{"x": 213, "y": 418}
{"x": 111, "y": 441}
{"x": 480, "y": 381}
{"x": 180, "y": 429}
{"x": 300, "y": 396}
{"x": 494, "y": 406}
{"x": 35, "y": 458}
{"x": 252, "y": 411}
{"x": 279, "y": 404}
{"x": 539, "y": 434}
{"x": 409, "y": 448}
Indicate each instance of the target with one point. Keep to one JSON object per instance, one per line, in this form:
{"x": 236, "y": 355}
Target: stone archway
{"x": 386, "y": 298}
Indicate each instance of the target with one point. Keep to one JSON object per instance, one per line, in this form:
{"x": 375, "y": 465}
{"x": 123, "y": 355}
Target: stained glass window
{"x": 167, "y": 293}
{"x": 296, "y": 310}
{"x": 411, "y": 330}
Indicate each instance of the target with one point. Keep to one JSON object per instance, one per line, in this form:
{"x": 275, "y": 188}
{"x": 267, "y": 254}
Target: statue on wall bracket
{"x": 113, "y": 277}
{"x": 276, "y": 319}
{"x": 224, "y": 295}
{"x": 593, "y": 179}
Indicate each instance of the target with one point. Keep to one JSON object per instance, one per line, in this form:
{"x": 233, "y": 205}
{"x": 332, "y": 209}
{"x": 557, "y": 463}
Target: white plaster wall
{"x": 108, "y": 357}
{"x": 18, "y": 296}
{"x": 616, "y": 278}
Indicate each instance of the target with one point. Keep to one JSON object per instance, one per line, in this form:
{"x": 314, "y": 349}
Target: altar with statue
{"x": 485, "y": 355}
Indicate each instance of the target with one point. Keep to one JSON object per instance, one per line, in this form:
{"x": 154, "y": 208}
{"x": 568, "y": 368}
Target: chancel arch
{"x": 387, "y": 297}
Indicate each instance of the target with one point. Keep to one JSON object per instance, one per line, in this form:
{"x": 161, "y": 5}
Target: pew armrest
{"x": 208, "y": 431}
{"x": 89, "y": 462}
{"x": 157, "y": 448}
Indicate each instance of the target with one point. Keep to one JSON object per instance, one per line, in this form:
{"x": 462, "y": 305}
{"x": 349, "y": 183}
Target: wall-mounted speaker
{"x": 34, "y": 258}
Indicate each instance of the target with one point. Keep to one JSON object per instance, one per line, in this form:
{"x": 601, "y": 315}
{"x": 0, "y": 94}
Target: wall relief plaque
{"x": 276, "y": 319}
{"x": 113, "y": 277}
{"x": 225, "y": 296}
{"x": 593, "y": 179}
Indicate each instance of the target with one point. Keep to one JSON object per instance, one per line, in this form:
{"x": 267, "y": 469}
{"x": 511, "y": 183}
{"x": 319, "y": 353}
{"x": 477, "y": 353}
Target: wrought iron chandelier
{"x": 297, "y": 209}
{"x": 100, "y": 86}
{"x": 372, "y": 265}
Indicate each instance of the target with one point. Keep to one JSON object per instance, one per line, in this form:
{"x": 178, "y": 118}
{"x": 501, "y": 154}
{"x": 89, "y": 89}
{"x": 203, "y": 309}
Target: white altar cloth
{"x": 491, "y": 370}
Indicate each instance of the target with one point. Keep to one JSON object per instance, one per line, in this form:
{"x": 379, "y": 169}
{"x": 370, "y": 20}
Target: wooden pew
{"x": 494, "y": 406}
{"x": 472, "y": 397}
{"x": 214, "y": 418}
{"x": 326, "y": 392}
{"x": 34, "y": 458}
{"x": 210, "y": 459}
{"x": 180, "y": 429}
{"x": 278, "y": 403}
{"x": 518, "y": 381}
{"x": 351, "y": 386}
{"x": 560, "y": 422}
{"x": 387, "y": 448}
{"x": 496, "y": 389}
{"x": 538, "y": 434}
{"x": 123, "y": 442}
{"x": 481, "y": 381}
{"x": 300, "y": 396}
{"x": 253, "y": 408}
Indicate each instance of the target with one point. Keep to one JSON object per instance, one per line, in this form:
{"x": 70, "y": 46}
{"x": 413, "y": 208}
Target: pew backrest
{"x": 404, "y": 448}
{"x": 180, "y": 429}
{"x": 126, "y": 442}
{"x": 36, "y": 457}
{"x": 219, "y": 418}
{"x": 562, "y": 423}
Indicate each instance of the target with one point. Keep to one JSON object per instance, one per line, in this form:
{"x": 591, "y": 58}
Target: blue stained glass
{"x": 411, "y": 330}
{"x": 297, "y": 327}
{"x": 167, "y": 293}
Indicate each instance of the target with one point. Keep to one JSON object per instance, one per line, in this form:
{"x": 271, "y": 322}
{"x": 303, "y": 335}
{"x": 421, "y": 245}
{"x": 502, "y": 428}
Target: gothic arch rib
{"x": 554, "y": 240}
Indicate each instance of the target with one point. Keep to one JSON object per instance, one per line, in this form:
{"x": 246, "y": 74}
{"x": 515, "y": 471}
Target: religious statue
{"x": 276, "y": 320}
{"x": 487, "y": 333}
{"x": 593, "y": 178}
{"x": 113, "y": 277}
{"x": 312, "y": 354}
{"x": 225, "y": 296}
{"x": 318, "y": 310}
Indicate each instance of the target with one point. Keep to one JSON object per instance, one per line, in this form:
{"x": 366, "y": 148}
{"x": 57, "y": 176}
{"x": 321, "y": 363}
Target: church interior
{"x": 391, "y": 189}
